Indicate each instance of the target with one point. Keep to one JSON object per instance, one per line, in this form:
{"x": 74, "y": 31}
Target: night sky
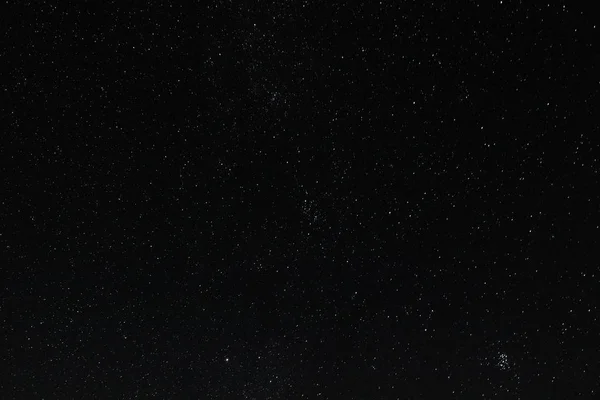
{"x": 299, "y": 200}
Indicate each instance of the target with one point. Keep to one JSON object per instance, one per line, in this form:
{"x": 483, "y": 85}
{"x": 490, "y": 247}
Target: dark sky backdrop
{"x": 299, "y": 200}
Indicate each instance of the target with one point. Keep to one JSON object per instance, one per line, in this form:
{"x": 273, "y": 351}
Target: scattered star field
{"x": 299, "y": 200}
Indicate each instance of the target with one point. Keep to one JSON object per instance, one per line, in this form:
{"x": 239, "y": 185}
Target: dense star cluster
{"x": 299, "y": 200}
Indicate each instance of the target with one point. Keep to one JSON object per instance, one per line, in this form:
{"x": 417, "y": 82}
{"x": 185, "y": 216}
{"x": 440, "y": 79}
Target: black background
{"x": 299, "y": 199}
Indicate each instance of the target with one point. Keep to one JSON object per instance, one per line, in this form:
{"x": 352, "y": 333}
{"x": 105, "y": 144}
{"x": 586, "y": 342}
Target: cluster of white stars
{"x": 503, "y": 362}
